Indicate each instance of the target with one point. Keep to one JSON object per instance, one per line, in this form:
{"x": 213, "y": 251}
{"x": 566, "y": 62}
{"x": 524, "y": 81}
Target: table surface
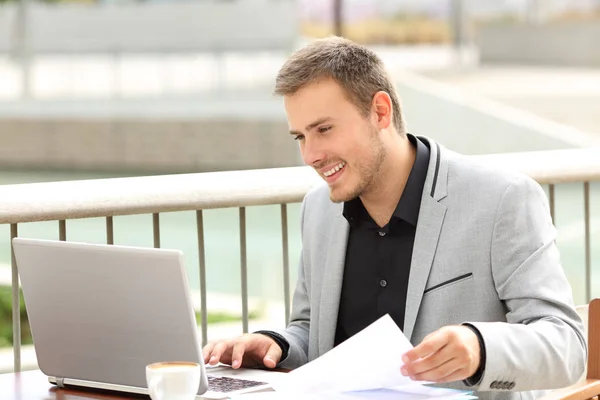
{"x": 34, "y": 385}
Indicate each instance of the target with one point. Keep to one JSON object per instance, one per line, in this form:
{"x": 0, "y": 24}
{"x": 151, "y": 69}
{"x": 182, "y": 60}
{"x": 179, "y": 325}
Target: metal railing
{"x": 61, "y": 201}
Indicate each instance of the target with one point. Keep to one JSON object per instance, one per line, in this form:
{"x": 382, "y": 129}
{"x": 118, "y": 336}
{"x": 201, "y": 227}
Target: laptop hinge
{"x": 60, "y": 382}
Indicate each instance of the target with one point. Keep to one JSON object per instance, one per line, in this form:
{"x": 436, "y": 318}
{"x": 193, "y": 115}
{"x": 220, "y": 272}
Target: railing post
{"x": 244, "y": 268}
{"x": 551, "y": 200}
{"x": 588, "y": 257}
{"x": 286, "y": 262}
{"x": 202, "y": 261}
{"x": 16, "y": 303}
{"x": 156, "y": 229}
{"x": 110, "y": 234}
{"x": 62, "y": 230}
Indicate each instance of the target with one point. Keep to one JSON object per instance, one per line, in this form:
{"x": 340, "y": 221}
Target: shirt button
{"x": 383, "y": 283}
{"x": 381, "y": 233}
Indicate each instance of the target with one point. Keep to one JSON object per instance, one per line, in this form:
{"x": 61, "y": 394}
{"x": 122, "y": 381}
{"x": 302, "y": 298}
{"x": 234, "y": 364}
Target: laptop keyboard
{"x": 225, "y": 384}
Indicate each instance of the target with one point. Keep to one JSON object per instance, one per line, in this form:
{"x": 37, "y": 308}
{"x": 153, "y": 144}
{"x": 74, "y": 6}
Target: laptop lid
{"x": 101, "y": 313}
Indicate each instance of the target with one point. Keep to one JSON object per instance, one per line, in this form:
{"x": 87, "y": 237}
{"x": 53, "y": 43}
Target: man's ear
{"x": 382, "y": 109}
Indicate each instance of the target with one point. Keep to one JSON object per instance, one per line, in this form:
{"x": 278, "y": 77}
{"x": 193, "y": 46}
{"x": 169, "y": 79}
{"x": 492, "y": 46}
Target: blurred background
{"x": 107, "y": 88}
{"x": 159, "y": 86}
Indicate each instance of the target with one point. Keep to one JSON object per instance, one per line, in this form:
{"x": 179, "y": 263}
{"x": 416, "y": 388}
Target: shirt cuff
{"x": 474, "y": 379}
{"x": 280, "y": 340}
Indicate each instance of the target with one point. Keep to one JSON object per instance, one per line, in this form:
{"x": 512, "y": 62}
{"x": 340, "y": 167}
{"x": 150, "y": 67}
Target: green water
{"x": 264, "y": 237}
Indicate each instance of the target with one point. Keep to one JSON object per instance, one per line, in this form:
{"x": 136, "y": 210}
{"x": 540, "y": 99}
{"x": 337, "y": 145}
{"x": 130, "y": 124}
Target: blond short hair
{"x": 358, "y": 70}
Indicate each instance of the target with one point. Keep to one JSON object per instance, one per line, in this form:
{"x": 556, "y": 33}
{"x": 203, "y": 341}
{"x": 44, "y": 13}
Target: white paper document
{"x": 404, "y": 393}
{"x": 371, "y": 359}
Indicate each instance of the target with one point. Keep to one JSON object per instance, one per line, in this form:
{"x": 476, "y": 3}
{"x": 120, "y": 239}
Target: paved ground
{"x": 567, "y": 95}
{"x": 90, "y": 77}
{"x": 97, "y": 85}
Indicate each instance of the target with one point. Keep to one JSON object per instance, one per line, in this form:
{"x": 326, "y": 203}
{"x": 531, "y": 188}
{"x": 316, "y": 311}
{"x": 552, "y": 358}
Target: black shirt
{"x": 378, "y": 260}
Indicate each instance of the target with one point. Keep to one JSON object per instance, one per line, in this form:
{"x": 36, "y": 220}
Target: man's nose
{"x": 312, "y": 152}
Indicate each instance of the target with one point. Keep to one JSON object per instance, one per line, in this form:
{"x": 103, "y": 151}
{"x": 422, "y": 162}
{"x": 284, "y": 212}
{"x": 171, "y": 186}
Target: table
{"x": 34, "y": 385}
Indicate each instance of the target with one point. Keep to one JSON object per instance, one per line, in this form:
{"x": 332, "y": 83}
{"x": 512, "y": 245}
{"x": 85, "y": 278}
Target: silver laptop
{"x": 100, "y": 313}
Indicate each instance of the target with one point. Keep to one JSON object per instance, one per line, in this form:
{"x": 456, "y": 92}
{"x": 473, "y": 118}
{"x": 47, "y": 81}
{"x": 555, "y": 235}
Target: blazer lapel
{"x": 332, "y": 282}
{"x": 429, "y": 226}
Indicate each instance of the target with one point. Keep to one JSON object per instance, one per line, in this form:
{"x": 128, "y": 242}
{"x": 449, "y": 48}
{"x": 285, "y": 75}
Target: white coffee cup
{"x": 173, "y": 380}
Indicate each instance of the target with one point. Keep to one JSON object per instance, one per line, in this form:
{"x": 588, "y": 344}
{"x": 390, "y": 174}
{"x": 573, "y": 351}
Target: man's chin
{"x": 336, "y": 200}
{"x": 338, "y": 196}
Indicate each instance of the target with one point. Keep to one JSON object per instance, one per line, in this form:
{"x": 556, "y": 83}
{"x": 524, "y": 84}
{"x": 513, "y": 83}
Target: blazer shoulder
{"x": 317, "y": 196}
{"x": 476, "y": 171}
{"x": 317, "y": 205}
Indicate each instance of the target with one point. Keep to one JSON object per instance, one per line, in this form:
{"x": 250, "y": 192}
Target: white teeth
{"x": 335, "y": 169}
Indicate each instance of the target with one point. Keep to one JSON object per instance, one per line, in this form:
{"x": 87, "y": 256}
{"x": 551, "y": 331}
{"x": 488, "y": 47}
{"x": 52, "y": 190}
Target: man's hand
{"x": 449, "y": 354}
{"x": 250, "y": 350}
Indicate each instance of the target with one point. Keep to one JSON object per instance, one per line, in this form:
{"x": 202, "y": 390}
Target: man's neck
{"x": 383, "y": 199}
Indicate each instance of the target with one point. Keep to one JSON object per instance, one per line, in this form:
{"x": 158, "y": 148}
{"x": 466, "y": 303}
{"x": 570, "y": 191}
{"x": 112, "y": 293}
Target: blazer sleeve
{"x": 297, "y": 331}
{"x": 542, "y": 344}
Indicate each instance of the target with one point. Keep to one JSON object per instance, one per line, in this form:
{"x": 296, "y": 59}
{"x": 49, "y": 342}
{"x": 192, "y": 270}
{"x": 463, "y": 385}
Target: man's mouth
{"x": 334, "y": 170}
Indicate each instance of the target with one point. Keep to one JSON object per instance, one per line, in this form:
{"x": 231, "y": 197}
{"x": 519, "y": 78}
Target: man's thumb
{"x": 273, "y": 356}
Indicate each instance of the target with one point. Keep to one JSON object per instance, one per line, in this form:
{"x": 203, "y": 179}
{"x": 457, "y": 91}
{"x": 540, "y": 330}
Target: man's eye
{"x": 299, "y": 137}
{"x": 324, "y": 129}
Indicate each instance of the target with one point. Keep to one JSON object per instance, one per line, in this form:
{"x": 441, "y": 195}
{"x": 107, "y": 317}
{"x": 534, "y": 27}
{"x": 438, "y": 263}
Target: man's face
{"x": 335, "y": 139}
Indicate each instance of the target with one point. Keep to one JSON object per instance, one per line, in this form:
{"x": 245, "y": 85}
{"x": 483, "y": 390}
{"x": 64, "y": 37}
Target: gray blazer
{"x": 490, "y": 229}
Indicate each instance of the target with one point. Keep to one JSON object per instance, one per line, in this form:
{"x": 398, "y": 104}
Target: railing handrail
{"x": 551, "y": 166}
{"x": 51, "y": 201}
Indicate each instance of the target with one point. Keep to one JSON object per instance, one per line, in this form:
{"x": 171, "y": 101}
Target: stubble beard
{"x": 368, "y": 173}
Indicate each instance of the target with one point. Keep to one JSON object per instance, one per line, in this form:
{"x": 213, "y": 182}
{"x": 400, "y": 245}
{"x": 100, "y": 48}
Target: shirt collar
{"x": 410, "y": 202}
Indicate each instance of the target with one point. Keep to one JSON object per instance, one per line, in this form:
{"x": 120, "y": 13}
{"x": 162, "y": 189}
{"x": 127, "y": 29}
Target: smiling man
{"x": 462, "y": 256}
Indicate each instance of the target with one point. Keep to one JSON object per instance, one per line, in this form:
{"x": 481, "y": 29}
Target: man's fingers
{"x": 248, "y": 350}
{"x": 439, "y": 373}
{"x": 207, "y": 351}
{"x": 457, "y": 375}
{"x": 273, "y": 356}
{"x": 237, "y": 355}
{"x": 429, "y": 362}
{"x": 456, "y": 359}
{"x": 429, "y": 345}
{"x": 217, "y": 352}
